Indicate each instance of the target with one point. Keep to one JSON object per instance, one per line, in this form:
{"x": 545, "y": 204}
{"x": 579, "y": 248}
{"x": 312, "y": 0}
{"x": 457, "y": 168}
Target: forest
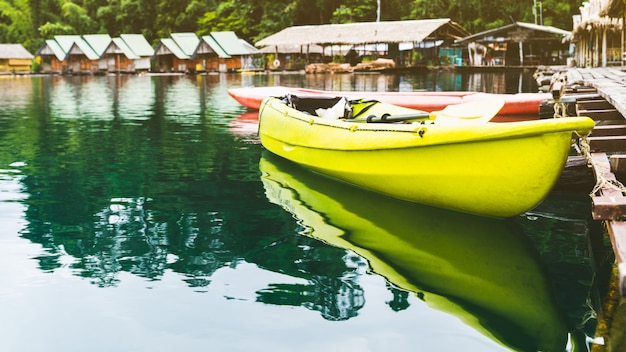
{"x": 30, "y": 22}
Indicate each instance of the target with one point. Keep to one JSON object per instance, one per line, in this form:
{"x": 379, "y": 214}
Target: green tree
{"x": 355, "y": 11}
{"x": 187, "y": 21}
{"x": 77, "y": 17}
{"x": 16, "y": 25}
{"x": 249, "y": 19}
{"x": 31, "y": 21}
{"x": 73, "y": 19}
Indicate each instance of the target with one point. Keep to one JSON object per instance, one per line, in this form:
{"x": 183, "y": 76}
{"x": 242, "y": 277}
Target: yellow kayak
{"x": 482, "y": 270}
{"x": 453, "y": 159}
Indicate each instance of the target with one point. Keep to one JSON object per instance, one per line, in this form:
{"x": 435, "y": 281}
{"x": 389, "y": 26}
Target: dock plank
{"x": 610, "y": 203}
{"x": 609, "y": 82}
{"x": 609, "y": 130}
{"x": 606, "y": 114}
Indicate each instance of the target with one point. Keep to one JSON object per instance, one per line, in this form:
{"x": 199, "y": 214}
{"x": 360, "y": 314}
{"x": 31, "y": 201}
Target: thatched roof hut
{"x": 599, "y": 33}
{"x": 14, "y": 57}
{"x": 594, "y": 14}
{"x": 292, "y": 49}
{"x": 366, "y": 33}
{"x": 613, "y": 8}
{"x": 391, "y": 35}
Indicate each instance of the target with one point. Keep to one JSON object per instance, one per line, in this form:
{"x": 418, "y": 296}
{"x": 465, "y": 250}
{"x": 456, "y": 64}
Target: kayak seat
{"x": 313, "y": 105}
{"x": 309, "y": 104}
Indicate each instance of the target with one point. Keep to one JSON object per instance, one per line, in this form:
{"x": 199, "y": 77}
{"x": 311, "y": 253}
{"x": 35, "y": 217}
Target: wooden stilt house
{"x": 119, "y": 57}
{"x": 15, "y": 58}
{"x": 129, "y": 53}
{"x": 239, "y": 56}
{"x": 211, "y": 56}
{"x": 175, "y": 54}
{"x": 517, "y": 44}
{"x": 81, "y": 58}
{"x": 52, "y": 57}
{"x": 98, "y": 43}
{"x": 169, "y": 57}
{"x": 140, "y": 47}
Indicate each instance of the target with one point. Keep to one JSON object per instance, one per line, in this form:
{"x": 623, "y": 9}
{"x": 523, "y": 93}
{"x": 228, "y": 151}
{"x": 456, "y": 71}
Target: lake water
{"x": 140, "y": 213}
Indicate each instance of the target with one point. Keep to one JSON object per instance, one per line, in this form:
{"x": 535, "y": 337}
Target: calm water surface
{"x": 142, "y": 214}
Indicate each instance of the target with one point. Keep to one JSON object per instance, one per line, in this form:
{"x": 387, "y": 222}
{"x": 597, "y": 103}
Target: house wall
{"x": 233, "y": 63}
{"x": 170, "y": 63}
{"x": 119, "y": 62}
{"x": 15, "y": 65}
{"x": 50, "y": 64}
{"x": 208, "y": 63}
{"x": 102, "y": 64}
{"x": 599, "y": 47}
{"x": 142, "y": 64}
{"x": 81, "y": 64}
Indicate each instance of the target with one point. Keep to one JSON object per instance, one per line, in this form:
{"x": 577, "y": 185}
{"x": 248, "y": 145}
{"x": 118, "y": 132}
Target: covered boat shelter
{"x": 517, "y": 44}
{"x": 405, "y": 41}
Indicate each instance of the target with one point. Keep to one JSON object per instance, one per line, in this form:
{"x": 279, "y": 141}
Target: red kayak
{"x": 515, "y": 104}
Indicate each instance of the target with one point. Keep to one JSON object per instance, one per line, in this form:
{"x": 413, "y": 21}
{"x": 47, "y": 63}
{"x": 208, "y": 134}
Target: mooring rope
{"x": 560, "y": 110}
{"x": 601, "y": 170}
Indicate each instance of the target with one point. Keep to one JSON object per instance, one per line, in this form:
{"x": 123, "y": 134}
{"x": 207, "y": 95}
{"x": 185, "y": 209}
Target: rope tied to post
{"x": 601, "y": 181}
{"x": 583, "y": 148}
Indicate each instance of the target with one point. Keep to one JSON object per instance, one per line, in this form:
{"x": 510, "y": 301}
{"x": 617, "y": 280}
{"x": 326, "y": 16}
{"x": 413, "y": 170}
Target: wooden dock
{"x": 600, "y": 93}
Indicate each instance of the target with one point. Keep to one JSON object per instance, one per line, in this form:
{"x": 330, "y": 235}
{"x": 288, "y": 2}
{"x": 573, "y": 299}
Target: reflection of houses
{"x": 14, "y": 58}
{"x": 218, "y": 51}
{"x": 128, "y": 53}
{"x": 517, "y": 44}
{"x": 599, "y": 34}
{"x": 408, "y": 43}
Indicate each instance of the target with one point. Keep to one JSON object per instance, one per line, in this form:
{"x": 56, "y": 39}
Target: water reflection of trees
{"x": 331, "y": 289}
{"x": 151, "y": 192}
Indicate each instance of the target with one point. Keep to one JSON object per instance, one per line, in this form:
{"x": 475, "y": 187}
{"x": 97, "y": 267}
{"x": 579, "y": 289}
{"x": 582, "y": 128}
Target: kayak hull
{"x": 491, "y": 169}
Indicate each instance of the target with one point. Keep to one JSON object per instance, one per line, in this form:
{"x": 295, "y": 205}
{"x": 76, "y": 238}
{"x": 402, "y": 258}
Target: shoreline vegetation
{"x": 30, "y": 23}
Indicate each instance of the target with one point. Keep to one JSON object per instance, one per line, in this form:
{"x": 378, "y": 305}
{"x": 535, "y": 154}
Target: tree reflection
{"x": 400, "y": 299}
{"x": 332, "y": 289}
{"x": 156, "y": 191}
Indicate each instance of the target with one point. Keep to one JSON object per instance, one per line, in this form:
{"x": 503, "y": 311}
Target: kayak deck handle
{"x": 387, "y": 118}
